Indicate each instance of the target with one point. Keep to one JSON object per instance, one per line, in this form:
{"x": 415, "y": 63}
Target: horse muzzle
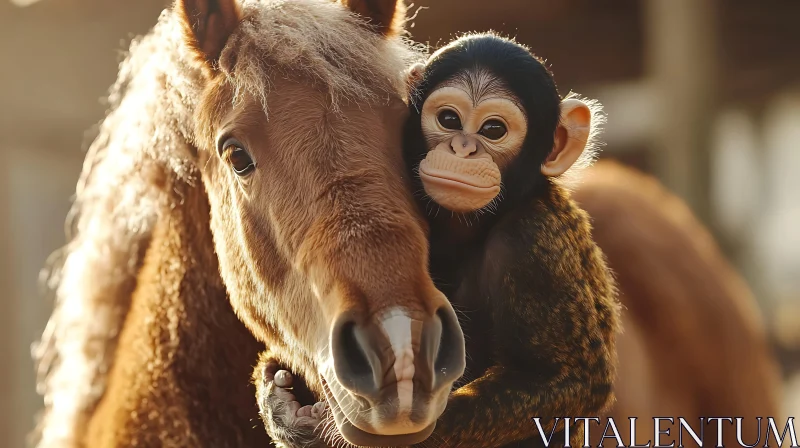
{"x": 394, "y": 373}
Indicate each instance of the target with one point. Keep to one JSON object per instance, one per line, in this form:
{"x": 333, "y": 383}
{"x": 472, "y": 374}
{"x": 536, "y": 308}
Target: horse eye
{"x": 449, "y": 120}
{"x": 240, "y": 161}
{"x": 493, "y": 130}
{"x": 238, "y": 157}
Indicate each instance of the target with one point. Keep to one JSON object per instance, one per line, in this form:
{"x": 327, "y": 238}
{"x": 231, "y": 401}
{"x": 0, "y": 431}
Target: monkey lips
{"x": 459, "y": 184}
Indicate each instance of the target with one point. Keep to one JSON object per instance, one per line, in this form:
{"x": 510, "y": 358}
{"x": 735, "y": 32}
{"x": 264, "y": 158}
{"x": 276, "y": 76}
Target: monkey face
{"x": 473, "y": 128}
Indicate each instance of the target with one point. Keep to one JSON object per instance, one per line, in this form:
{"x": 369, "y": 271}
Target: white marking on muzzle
{"x": 397, "y": 326}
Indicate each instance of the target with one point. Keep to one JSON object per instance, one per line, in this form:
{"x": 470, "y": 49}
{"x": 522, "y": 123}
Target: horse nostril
{"x": 354, "y": 360}
{"x": 450, "y": 359}
{"x": 441, "y": 359}
{"x": 353, "y": 352}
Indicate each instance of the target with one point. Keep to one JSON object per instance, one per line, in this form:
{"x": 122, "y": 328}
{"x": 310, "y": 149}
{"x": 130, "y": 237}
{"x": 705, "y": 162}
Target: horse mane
{"x": 146, "y": 145}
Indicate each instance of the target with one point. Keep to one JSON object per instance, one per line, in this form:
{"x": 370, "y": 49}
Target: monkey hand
{"x": 288, "y": 423}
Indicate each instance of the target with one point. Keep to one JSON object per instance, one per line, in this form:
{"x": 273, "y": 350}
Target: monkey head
{"x": 486, "y": 117}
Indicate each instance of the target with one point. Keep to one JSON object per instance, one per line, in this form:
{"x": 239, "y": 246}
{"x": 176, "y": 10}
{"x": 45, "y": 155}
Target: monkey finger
{"x": 304, "y": 411}
{"x": 293, "y": 407}
{"x": 318, "y": 410}
{"x": 309, "y": 423}
{"x": 282, "y": 394}
{"x": 283, "y": 379}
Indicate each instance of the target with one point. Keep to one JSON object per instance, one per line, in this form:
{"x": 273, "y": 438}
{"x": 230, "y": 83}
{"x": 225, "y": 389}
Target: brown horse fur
{"x": 318, "y": 95}
{"x": 181, "y": 348}
{"x": 693, "y": 343}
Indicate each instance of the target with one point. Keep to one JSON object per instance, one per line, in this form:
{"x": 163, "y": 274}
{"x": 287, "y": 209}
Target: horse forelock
{"x": 145, "y": 146}
{"x": 320, "y": 42}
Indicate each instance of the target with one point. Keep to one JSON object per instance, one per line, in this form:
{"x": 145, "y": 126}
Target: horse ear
{"x": 207, "y": 24}
{"x": 386, "y": 16}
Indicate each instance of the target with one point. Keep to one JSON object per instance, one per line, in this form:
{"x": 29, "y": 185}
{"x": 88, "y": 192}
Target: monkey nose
{"x": 463, "y": 146}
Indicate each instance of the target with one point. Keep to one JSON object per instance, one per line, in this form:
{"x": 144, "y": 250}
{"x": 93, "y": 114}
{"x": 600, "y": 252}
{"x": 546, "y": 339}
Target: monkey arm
{"x": 554, "y": 318}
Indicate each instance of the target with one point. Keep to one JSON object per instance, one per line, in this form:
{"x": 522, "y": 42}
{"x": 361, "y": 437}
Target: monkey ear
{"x": 207, "y": 24}
{"x": 571, "y": 136}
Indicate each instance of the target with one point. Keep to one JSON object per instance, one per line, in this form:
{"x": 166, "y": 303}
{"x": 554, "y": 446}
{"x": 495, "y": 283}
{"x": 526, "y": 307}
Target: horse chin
{"x": 359, "y": 435}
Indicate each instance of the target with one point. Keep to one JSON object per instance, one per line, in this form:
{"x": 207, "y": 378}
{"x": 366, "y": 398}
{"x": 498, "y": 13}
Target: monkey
{"x": 489, "y": 144}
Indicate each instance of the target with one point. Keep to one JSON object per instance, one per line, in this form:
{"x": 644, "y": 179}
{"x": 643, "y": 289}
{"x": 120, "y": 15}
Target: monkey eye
{"x": 238, "y": 157}
{"x": 449, "y": 120}
{"x": 493, "y": 130}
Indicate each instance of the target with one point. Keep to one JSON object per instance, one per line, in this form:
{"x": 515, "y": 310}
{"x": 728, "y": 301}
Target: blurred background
{"x": 704, "y": 94}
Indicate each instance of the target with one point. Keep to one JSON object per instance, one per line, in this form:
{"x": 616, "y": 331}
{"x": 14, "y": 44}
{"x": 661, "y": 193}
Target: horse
{"x": 245, "y": 191}
{"x": 693, "y": 343}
